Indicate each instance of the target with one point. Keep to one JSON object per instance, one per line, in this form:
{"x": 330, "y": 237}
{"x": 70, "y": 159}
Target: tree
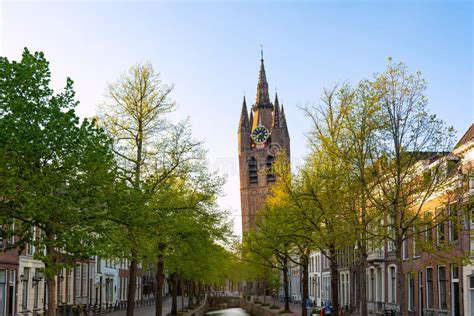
{"x": 183, "y": 211}
{"x": 284, "y": 196}
{"x": 265, "y": 245}
{"x": 56, "y": 172}
{"x": 353, "y": 114}
{"x": 318, "y": 205}
{"x": 185, "y": 225}
{"x": 411, "y": 162}
{"x": 134, "y": 118}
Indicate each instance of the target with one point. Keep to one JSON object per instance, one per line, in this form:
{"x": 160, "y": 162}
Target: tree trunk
{"x": 198, "y": 294}
{"x": 362, "y": 245}
{"x": 334, "y": 280}
{"x": 264, "y": 292}
{"x": 401, "y": 288}
{"x": 50, "y": 281}
{"x": 190, "y": 295}
{"x": 305, "y": 279}
{"x": 363, "y": 278}
{"x": 132, "y": 285}
{"x": 182, "y": 294}
{"x": 160, "y": 280}
{"x": 285, "y": 288}
{"x": 174, "y": 294}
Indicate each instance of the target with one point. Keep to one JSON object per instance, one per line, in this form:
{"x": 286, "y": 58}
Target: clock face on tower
{"x": 260, "y": 134}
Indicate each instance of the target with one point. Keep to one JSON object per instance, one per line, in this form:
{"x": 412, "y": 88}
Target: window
{"x": 253, "y": 176}
{"x": 405, "y": 248}
{"x": 453, "y": 223}
{"x": 440, "y": 232}
{"x": 392, "y": 284}
{"x": 443, "y": 304}
{"x": 3, "y": 280}
{"x": 345, "y": 288}
{"x": 428, "y": 231}
{"x": 84, "y": 279}
{"x": 429, "y": 287}
{"x": 270, "y": 174}
{"x": 77, "y": 280}
{"x": 109, "y": 285}
{"x": 36, "y": 291}
{"x": 61, "y": 287}
{"x": 372, "y": 285}
{"x": 69, "y": 289}
{"x": 391, "y": 234}
{"x": 455, "y": 272}
{"x": 30, "y": 248}
{"x": 416, "y": 248}
{"x": 26, "y": 279}
{"x": 411, "y": 291}
{"x": 99, "y": 265}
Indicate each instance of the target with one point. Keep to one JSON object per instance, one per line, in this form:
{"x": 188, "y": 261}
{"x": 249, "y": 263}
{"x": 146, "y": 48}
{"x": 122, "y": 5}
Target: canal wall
{"x": 259, "y": 310}
{"x": 200, "y": 311}
{"x": 255, "y": 309}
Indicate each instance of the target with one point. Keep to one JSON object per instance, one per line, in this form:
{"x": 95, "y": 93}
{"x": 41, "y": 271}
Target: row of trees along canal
{"x": 128, "y": 185}
{"x": 363, "y": 183}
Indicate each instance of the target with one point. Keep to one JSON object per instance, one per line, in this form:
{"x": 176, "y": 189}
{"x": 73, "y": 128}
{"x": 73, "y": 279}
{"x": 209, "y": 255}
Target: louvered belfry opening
{"x": 253, "y": 174}
{"x": 270, "y": 174}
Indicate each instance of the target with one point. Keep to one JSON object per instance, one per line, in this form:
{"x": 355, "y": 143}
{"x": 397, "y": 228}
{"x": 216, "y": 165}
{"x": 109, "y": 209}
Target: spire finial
{"x": 262, "y": 100}
{"x": 261, "y": 51}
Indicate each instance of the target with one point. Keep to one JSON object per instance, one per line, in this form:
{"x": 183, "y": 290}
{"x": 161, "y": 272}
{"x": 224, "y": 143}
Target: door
{"x": 456, "y": 303}
{"x": 11, "y": 297}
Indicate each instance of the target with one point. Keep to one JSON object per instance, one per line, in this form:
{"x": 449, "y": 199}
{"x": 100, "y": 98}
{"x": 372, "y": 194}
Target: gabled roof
{"x": 467, "y": 137}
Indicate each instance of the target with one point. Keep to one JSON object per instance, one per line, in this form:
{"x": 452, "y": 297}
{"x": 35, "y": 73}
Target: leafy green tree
{"x": 184, "y": 222}
{"x": 149, "y": 151}
{"x": 56, "y": 173}
{"x": 266, "y": 245}
{"x": 294, "y": 227}
{"x": 347, "y": 125}
{"x": 411, "y": 161}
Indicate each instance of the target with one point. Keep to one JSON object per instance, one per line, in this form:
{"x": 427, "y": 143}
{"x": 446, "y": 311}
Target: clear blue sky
{"x": 211, "y": 52}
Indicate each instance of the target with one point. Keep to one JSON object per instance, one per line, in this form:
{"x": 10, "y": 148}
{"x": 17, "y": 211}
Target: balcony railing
{"x": 375, "y": 255}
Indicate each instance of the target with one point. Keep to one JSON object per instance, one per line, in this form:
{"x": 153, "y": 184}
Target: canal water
{"x": 228, "y": 312}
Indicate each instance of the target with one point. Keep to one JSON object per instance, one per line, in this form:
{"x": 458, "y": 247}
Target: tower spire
{"x": 244, "y": 124}
{"x": 276, "y": 112}
{"x": 263, "y": 99}
{"x": 283, "y": 119}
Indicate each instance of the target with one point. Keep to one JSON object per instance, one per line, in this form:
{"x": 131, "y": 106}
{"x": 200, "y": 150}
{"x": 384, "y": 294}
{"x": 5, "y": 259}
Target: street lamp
{"x": 23, "y": 278}
{"x": 37, "y": 278}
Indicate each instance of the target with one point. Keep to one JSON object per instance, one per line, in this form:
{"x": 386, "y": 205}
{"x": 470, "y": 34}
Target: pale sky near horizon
{"x": 210, "y": 51}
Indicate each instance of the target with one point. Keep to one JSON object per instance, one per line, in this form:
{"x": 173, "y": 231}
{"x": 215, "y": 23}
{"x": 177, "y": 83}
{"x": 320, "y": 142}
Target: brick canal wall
{"x": 217, "y": 303}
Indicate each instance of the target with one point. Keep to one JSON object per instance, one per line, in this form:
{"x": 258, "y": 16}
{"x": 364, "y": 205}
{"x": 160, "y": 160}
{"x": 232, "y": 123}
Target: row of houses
{"x": 438, "y": 282}
{"x": 98, "y": 283}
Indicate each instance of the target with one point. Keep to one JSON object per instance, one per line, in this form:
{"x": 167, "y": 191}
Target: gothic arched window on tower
{"x": 270, "y": 174}
{"x": 253, "y": 175}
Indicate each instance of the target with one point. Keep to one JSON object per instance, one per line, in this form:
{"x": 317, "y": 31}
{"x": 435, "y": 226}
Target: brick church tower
{"x": 260, "y": 136}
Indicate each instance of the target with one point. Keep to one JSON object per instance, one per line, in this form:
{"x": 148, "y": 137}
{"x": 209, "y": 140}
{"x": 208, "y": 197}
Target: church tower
{"x": 261, "y": 134}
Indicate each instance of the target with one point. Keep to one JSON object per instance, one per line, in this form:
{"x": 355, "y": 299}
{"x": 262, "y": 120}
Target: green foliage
{"x": 55, "y": 172}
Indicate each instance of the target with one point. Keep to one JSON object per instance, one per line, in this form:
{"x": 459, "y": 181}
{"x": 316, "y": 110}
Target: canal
{"x": 228, "y": 312}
